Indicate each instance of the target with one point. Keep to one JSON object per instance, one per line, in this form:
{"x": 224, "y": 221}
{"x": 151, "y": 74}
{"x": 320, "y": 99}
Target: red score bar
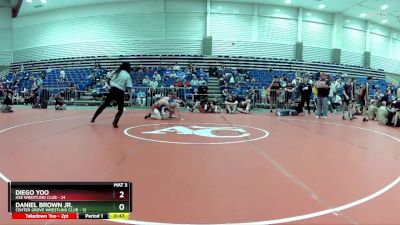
{"x": 44, "y": 216}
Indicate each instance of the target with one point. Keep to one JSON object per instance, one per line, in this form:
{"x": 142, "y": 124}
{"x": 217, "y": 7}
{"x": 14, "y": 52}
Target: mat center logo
{"x": 196, "y": 133}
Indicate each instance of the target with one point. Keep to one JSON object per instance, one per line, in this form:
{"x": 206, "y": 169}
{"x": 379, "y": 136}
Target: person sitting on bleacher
{"x": 7, "y": 103}
{"x": 146, "y": 80}
{"x": 202, "y": 81}
{"x": 157, "y": 76}
{"x": 60, "y": 104}
{"x": 194, "y": 81}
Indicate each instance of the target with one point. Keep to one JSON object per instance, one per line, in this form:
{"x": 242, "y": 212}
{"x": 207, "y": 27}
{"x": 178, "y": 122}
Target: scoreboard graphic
{"x": 70, "y": 200}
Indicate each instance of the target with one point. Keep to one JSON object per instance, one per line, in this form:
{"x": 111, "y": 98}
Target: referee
{"x": 119, "y": 80}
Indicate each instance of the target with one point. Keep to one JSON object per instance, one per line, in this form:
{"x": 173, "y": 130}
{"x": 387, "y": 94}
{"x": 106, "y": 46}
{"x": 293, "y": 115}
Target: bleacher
{"x": 204, "y": 62}
{"x": 78, "y": 70}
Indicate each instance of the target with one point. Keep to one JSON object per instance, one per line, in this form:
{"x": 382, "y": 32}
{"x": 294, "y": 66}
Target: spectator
{"x": 201, "y": 92}
{"x": 289, "y": 92}
{"x": 34, "y": 86}
{"x": 336, "y": 101}
{"x": 231, "y": 103}
{"x": 264, "y": 93}
{"x": 22, "y": 69}
{"x": 382, "y": 114}
{"x": 273, "y": 90}
{"x": 39, "y": 81}
{"x": 378, "y": 95}
{"x": 253, "y": 82}
{"x": 296, "y": 81}
{"x": 365, "y": 98}
{"x": 232, "y": 79}
{"x": 194, "y": 81}
{"x": 224, "y": 94}
{"x": 45, "y": 95}
{"x": 60, "y": 103}
{"x": 62, "y": 75}
{"x": 179, "y": 83}
{"x": 221, "y": 83}
{"x": 305, "y": 90}
{"x": 153, "y": 84}
{"x": 7, "y": 103}
{"x": 16, "y": 99}
{"x": 146, "y": 81}
{"x": 27, "y": 97}
{"x": 247, "y": 77}
{"x": 157, "y": 76}
{"x": 212, "y": 71}
{"x": 186, "y": 84}
{"x": 323, "y": 87}
{"x": 141, "y": 98}
{"x": 16, "y": 83}
{"x": 373, "y": 110}
{"x": 284, "y": 81}
{"x": 202, "y": 81}
{"x": 176, "y": 68}
{"x": 97, "y": 66}
{"x": 348, "y": 99}
{"x": 245, "y": 105}
{"x": 173, "y": 75}
{"x": 398, "y": 92}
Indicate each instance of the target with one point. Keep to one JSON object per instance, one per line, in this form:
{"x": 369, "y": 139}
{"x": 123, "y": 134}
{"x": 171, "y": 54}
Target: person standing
{"x": 273, "y": 90}
{"x": 120, "y": 80}
{"x": 323, "y": 87}
{"x": 305, "y": 90}
{"x": 365, "y": 98}
{"x": 348, "y": 99}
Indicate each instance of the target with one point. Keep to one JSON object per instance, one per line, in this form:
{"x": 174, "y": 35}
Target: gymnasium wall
{"x": 178, "y": 27}
{"x": 5, "y": 33}
{"x": 137, "y": 27}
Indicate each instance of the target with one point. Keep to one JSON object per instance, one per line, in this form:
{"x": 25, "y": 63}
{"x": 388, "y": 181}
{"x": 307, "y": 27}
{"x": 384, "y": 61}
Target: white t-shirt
{"x": 62, "y": 74}
{"x": 122, "y": 81}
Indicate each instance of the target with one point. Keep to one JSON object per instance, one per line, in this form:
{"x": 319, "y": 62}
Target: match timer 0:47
{"x": 70, "y": 200}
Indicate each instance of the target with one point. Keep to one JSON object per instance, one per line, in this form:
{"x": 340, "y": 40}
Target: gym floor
{"x": 213, "y": 168}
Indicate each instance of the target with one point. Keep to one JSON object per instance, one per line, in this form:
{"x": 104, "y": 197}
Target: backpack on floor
{"x": 286, "y": 112}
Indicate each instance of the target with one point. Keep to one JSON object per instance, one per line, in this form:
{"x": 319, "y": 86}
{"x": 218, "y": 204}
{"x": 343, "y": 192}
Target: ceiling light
{"x": 348, "y": 21}
{"x": 384, "y": 21}
{"x": 43, "y": 1}
{"x": 362, "y": 15}
{"x": 277, "y": 10}
{"x": 321, "y": 6}
{"x": 29, "y": 1}
{"x": 308, "y": 14}
{"x": 384, "y": 7}
{"x": 288, "y": 1}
